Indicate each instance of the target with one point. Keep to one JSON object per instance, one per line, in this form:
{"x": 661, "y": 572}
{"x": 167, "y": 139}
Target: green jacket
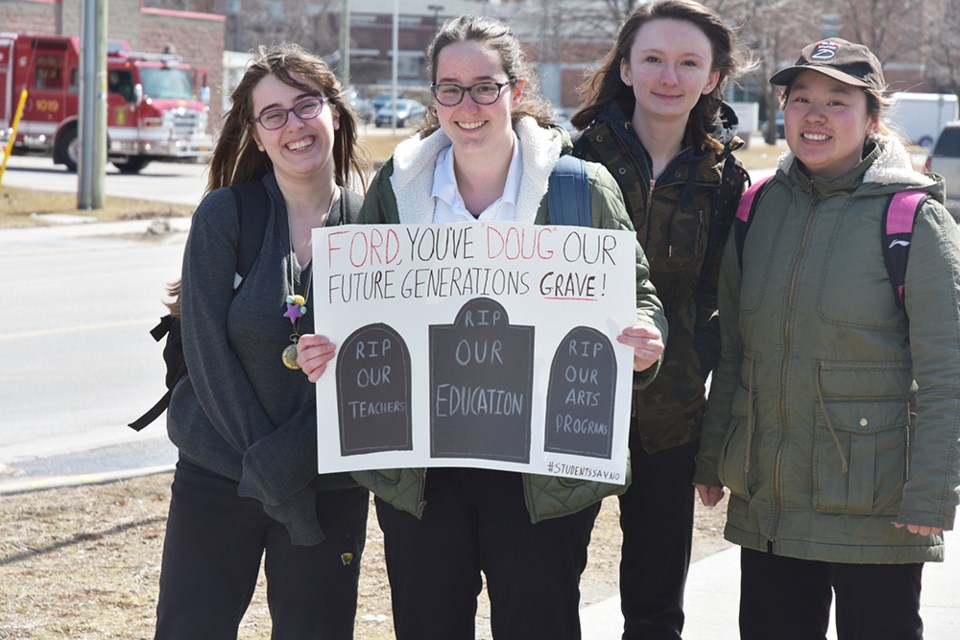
{"x": 408, "y": 178}
{"x": 682, "y": 220}
{"x": 834, "y": 413}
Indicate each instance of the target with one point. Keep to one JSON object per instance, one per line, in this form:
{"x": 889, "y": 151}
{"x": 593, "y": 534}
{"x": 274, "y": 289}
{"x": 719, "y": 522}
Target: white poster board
{"x": 486, "y": 345}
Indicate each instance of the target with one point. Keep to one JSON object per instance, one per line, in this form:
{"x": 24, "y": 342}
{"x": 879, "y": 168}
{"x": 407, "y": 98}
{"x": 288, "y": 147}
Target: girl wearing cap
{"x": 653, "y": 115}
{"x": 834, "y": 414}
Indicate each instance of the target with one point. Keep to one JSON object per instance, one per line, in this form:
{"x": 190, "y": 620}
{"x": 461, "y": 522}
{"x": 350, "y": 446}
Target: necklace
{"x": 297, "y": 303}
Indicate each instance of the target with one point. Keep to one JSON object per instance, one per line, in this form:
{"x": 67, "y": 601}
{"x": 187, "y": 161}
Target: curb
{"x": 14, "y": 487}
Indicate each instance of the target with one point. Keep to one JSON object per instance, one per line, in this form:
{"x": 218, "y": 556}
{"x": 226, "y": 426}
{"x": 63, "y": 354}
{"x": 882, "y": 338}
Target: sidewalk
{"x": 713, "y": 593}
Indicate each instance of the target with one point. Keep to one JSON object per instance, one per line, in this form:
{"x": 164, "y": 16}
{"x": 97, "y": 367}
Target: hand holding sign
{"x": 647, "y": 345}
{"x": 313, "y": 354}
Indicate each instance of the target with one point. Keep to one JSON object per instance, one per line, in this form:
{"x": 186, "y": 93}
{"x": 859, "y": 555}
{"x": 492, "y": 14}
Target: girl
{"x": 486, "y": 154}
{"x": 245, "y": 422}
{"x": 653, "y": 115}
{"x": 834, "y": 413}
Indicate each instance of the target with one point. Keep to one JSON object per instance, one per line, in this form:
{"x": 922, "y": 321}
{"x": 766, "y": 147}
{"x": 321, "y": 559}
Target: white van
{"x": 945, "y": 158}
{"x": 920, "y": 116}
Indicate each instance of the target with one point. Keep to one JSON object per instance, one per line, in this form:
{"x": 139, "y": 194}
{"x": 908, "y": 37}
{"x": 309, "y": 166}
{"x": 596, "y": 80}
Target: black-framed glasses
{"x": 305, "y": 110}
{"x": 450, "y": 95}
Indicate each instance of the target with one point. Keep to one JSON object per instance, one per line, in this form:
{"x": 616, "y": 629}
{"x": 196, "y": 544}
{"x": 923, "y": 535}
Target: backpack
{"x": 252, "y": 226}
{"x": 568, "y": 193}
{"x": 897, "y": 229}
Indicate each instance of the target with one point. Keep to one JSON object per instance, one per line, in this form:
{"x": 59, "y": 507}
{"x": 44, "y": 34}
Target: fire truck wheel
{"x": 66, "y": 150}
{"x": 131, "y": 164}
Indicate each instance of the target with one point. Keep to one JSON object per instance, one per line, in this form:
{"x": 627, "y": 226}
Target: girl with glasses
{"x": 485, "y": 153}
{"x": 244, "y": 420}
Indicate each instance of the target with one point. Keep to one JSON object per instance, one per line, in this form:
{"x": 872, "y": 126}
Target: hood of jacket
{"x": 414, "y": 161}
{"x": 886, "y": 168}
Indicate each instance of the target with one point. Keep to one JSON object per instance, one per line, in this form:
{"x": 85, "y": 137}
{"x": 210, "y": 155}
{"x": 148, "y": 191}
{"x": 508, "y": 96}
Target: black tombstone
{"x": 581, "y": 395}
{"x": 481, "y": 383}
{"x": 373, "y": 392}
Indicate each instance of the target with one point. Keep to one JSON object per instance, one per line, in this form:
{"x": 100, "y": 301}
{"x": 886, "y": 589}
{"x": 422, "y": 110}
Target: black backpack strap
{"x": 745, "y": 209}
{"x": 897, "y": 229}
{"x": 252, "y": 206}
{"x": 350, "y": 205}
{"x": 568, "y": 193}
{"x": 253, "y": 203}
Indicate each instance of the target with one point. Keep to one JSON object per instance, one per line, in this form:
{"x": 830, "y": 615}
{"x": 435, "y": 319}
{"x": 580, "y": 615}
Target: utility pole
{"x": 345, "y": 43}
{"x": 92, "y": 156}
{"x": 396, "y": 56}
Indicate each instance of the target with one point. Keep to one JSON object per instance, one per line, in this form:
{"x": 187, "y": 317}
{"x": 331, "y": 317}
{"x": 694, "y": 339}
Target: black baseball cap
{"x": 848, "y": 62}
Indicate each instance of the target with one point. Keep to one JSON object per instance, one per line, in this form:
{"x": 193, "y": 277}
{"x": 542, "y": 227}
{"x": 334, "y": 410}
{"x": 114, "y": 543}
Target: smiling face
{"x": 300, "y": 148}
{"x": 826, "y": 122}
{"x": 669, "y": 69}
{"x": 476, "y": 129}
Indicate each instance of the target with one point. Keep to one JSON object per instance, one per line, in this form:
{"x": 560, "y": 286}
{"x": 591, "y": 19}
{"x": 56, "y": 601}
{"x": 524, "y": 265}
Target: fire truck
{"x": 156, "y": 103}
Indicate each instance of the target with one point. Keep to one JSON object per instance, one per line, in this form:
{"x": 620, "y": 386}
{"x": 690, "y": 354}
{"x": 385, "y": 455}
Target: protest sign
{"x": 477, "y": 344}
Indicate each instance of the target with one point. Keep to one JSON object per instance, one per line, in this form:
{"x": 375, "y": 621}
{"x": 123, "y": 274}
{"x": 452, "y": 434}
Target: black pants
{"x": 656, "y": 518}
{"x": 789, "y": 599}
{"x": 211, "y": 559}
{"x": 476, "y": 520}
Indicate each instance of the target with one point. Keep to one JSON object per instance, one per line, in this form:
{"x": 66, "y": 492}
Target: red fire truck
{"x": 154, "y": 105}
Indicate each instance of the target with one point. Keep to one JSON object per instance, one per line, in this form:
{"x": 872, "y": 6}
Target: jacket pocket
{"x": 735, "y": 461}
{"x": 873, "y": 437}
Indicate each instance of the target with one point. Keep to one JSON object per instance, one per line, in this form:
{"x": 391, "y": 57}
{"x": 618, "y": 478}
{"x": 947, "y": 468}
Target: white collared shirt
{"x": 449, "y": 204}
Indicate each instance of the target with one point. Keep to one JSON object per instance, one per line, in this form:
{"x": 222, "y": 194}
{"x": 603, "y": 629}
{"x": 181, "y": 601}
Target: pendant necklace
{"x": 297, "y": 303}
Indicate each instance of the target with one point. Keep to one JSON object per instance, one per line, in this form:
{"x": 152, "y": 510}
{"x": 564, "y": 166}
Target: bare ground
{"x": 83, "y": 563}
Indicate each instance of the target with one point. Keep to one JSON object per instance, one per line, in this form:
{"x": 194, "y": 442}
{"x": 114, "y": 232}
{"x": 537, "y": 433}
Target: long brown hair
{"x": 605, "y": 86}
{"x": 236, "y": 158}
{"x": 500, "y": 38}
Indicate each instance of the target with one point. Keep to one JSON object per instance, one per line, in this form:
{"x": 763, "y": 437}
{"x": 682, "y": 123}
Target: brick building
{"x": 198, "y": 37}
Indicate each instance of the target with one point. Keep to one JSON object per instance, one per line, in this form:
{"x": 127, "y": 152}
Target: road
{"x": 79, "y": 301}
{"x": 174, "y": 182}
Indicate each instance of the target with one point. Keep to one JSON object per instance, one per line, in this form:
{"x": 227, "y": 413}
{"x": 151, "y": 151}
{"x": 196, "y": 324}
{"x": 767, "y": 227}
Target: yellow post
{"x": 13, "y": 133}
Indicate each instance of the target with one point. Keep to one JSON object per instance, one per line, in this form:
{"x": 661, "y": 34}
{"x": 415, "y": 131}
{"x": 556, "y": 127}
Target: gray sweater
{"x": 240, "y": 412}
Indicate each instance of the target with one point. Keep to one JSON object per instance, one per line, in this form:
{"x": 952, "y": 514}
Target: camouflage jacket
{"x": 682, "y": 220}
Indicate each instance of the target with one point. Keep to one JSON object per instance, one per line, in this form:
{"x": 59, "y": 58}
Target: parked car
{"x": 380, "y": 100}
{"x": 409, "y": 112}
{"x": 945, "y": 158}
{"x": 561, "y": 115}
{"x": 364, "y": 109}
{"x": 780, "y": 133}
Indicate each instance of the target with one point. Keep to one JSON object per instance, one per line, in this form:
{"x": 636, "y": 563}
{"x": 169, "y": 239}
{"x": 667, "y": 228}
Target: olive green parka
{"x": 401, "y": 193}
{"x": 833, "y": 412}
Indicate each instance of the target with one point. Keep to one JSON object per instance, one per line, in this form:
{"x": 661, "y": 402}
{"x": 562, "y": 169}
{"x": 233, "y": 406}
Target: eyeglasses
{"x": 308, "y": 109}
{"x": 449, "y": 94}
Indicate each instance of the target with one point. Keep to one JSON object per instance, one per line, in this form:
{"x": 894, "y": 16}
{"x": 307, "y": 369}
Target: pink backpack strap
{"x": 902, "y": 210}
{"x": 746, "y": 200}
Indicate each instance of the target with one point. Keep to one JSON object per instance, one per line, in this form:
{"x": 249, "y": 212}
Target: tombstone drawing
{"x": 373, "y": 392}
{"x": 481, "y": 384}
{"x": 581, "y": 395}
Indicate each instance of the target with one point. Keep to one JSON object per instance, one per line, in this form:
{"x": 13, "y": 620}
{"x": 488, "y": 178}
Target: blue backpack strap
{"x": 897, "y": 227}
{"x": 745, "y": 209}
{"x": 568, "y": 193}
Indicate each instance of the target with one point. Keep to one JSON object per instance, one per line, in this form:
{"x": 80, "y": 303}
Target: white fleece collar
{"x": 414, "y": 162}
{"x": 892, "y": 166}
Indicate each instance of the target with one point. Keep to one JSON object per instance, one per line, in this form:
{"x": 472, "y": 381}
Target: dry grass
{"x": 83, "y": 563}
